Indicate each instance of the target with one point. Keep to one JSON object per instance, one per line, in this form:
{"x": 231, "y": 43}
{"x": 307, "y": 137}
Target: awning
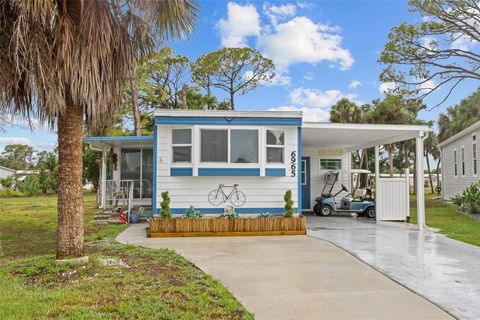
{"x": 351, "y": 137}
{"x": 120, "y": 141}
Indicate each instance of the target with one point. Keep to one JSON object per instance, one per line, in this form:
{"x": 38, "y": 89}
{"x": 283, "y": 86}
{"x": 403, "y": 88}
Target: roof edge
{"x": 227, "y": 113}
{"x": 459, "y": 135}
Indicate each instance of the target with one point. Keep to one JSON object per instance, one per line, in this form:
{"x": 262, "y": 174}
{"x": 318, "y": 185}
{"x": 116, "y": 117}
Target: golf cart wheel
{"x": 325, "y": 210}
{"x": 370, "y": 213}
{"x": 316, "y": 209}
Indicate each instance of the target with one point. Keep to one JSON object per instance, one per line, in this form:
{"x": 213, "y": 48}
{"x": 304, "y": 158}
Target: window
{"x": 463, "y": 161}
{"x": 182, "y": 145}
{"x": 214, "y": 145}
{"x": 275, "y": 146}
{"x": 330, "y": 164}
{"x": 474, "y": 154}
{"x": 455, "y": 169}
{"x": 304, "y": 172}
{"x": 244, "y": 146}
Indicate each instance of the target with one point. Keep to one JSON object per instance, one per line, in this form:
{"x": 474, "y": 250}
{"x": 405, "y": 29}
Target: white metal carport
{"x": 351, "y": 137}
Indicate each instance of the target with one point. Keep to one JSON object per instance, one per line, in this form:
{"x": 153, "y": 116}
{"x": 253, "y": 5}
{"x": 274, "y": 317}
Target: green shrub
{"x": 469, "y": 199}
{"x": 288, "y": 204}
{"x": 165, "y": 205}
{"x": 8, "y": 183}
{"x": 30, "y": 186}
{"x": 230, "y": 213}
{"x": 192, "y": 213}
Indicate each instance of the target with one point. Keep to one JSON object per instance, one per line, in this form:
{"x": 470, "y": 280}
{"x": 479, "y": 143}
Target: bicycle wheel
{"x": 216, "y": 197}
{"x": 238, "y": 198}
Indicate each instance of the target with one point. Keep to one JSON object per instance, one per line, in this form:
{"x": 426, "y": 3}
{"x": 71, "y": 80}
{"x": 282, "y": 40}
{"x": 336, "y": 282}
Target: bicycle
{"x": 218, "y": 196}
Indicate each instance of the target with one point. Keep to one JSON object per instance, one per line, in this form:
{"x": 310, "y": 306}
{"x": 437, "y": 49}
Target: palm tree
{"x": 66, "y": 62}
{"x": 394, "y": 109}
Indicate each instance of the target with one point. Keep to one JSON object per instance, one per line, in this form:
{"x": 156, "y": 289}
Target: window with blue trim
{"x": 182, "y": 145}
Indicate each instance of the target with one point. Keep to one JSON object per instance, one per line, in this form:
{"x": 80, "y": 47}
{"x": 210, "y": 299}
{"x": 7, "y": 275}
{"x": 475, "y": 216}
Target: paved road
{"x": 443, "y": 270}
{"x": 295, "y": 277}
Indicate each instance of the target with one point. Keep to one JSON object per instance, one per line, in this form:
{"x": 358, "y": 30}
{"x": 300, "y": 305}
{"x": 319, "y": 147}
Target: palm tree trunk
{"x": 429, "y": 174}
{"x": 438, "y": 174}
{"x": 70, "y": 191}
{"x": 135, "y": 109}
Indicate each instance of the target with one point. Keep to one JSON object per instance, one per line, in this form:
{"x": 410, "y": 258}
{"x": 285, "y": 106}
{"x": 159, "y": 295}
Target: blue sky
{"x": 323, "y": 50}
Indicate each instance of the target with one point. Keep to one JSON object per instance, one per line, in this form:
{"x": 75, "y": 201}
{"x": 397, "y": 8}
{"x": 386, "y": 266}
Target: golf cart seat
{"x": 360, "y": 193}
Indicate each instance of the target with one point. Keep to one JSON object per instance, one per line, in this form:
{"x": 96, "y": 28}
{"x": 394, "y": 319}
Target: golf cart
{"x": 360, "y": 202}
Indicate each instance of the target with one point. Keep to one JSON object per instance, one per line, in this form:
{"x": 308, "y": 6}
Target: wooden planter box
{"x": 178, "y": 227}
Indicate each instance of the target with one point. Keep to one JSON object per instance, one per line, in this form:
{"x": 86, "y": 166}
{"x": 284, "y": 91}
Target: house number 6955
{"x": 293, "y": 164}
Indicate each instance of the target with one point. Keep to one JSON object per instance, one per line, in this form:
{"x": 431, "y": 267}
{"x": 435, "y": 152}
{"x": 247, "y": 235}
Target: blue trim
{"x": 275, "y": 172}
{"x": 220, "y": 210}
{"x": 181, "y": 171}
{"x": 154, "y": 178}
{"x": 119, "y": 138}
{"x": 299, "y": 168}
{"x": 305, "y": 191}
{"x": 232, "y": 172}
{"x": 229, "y": 121}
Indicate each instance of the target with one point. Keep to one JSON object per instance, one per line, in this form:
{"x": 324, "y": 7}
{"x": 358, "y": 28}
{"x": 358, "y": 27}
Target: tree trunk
{"x": 390, "y": 159}
{"x": 135, "y": 109}
{"x": 70, "y": 191}
{"x": 429, "y": 174}
{"x": 184, "y": 97}
{"x": 232, "y": 105}
{"x": 438, "y": 175}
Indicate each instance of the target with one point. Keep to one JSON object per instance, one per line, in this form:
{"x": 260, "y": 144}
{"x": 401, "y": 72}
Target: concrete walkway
{"x": 443, "y": 270}
{"x": 295, "y": 277}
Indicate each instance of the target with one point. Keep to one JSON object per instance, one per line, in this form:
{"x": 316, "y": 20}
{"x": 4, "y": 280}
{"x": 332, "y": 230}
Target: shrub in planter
{"x": 265, "y": 215}
{"x": 165, "y": 205}
{"x": 469, "y": 199}
{"x": 230, "y": 213}
{"x": 288, "y": 204}
{"x": 192, "y": 213}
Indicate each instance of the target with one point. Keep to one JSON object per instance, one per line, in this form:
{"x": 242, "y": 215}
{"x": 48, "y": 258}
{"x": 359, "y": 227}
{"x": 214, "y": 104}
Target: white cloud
{"x": 279, "y": 13}
{"x": 301, "y": 40}
{"x": 386, "y": 87}
{"x": 314, "y": 98}
{"x": 315, "y": 104}
{"x": 309, "y": 76}
{"x": 241, "y": 23}
{"x": 310, "y": 114}
{"x": 354, "y": 84}
{"x": 15, "y": 140}
{"x": 463, "y": 42}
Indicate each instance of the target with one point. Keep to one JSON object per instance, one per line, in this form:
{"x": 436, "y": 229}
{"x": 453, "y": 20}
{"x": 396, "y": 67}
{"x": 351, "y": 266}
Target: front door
{"x": 305, "y": 176}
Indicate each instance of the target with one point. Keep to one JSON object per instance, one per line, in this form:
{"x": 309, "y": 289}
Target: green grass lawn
{"x": 445, "y": 217}
{"x": 153, "y": 284}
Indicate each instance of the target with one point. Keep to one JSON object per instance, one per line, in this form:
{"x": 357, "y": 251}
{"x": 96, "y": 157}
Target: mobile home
{"x": 262, "y": 153}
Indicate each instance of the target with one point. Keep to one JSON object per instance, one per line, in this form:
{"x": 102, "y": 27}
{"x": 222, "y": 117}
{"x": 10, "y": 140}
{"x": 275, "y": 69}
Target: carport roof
{"x": 124, "y": 141}
{"x": 351, "y": 137}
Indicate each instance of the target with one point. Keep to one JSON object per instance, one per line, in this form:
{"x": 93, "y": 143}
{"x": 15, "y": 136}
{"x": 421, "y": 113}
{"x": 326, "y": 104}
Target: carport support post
{"x": 377, "y": 177}
{"x": 103, "y": 178}
{"x": 420, "y": 182}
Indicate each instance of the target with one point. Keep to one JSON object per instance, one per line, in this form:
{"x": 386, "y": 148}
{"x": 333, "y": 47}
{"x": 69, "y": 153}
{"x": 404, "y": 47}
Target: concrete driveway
{"x": 443, "y": 270}
{"x": 295, "y": 277}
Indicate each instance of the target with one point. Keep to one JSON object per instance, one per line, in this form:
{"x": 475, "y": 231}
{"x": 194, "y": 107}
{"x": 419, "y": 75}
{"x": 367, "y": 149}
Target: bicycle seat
{"x": 235, "y": 184}
{"x": 221, "y": 185}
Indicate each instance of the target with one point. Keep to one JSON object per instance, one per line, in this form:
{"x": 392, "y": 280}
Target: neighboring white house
{"x": 266, "y": 153}
{"x": 6, "y": 172}
{"x": 460, "y": 166}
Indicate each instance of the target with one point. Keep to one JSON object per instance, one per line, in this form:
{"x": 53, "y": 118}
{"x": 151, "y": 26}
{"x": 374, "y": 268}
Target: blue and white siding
{"x": 263, "y": 184}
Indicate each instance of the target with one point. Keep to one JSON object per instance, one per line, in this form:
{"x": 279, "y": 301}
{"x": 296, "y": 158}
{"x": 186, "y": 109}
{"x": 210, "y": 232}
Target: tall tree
{"x": 394, "y": 109}
{"x": 438, "y": 52}
{"x": 67, "y": 62}
{"x": 161, "y": 77}
{"x": 17, "y": 157}
{"x": 431, "y": 149}
{"x": 233, "y": 70}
